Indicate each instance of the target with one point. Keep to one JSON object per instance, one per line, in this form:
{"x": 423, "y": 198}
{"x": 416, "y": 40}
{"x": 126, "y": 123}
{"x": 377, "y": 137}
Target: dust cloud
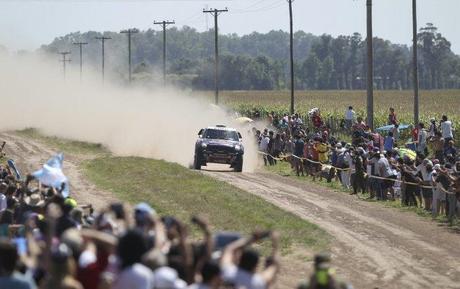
{"x": 154, "y": 123}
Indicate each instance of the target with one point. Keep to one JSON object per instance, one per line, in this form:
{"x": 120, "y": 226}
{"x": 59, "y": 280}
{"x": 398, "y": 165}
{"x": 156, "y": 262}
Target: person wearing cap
{"x": 323, "y": 275}
{"x": 433, "y": 128}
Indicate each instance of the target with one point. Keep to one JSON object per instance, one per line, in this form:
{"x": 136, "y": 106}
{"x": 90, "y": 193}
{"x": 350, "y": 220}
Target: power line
{"x": 164, "y": 24}
{"x": 64, "y": 61}
{"x": 415, "y": 60}
{"x": 129, "y": 32}
{"x": 291, "y": 54}
{"x": 370, "y": 67}
{"x": 80, "y": 44}
{"x": 103, "y": 39}
{"x": 216, "y": 13}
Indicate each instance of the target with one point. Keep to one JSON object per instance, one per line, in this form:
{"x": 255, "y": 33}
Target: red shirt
{"x": 415, "y": 134}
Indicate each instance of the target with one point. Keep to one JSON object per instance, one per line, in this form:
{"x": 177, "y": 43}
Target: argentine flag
{"x": 51, "y": 174}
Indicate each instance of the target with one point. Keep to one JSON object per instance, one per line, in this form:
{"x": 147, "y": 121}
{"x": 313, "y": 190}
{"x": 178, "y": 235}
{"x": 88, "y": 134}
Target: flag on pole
{"x": 13, "y": 167}
{"x": 51, "y": 174}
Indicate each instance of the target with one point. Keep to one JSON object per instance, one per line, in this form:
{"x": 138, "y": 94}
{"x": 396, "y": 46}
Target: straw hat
{"x": 34, "y": 200}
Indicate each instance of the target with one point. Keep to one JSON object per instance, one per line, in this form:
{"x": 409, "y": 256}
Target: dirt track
{"x": 374, "y": 247}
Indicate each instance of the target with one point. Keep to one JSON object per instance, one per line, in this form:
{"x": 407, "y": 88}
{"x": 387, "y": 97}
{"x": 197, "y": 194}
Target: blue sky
{"x": 26, "y": 24}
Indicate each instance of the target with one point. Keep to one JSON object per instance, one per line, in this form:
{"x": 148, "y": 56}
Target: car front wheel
{"x": 197, "y": 162}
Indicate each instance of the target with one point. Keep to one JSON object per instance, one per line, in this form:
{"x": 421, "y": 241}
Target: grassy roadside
{"x": 174, "y": 190}
{"x": 64, "y": 145}
{"x": 284, "y": 169}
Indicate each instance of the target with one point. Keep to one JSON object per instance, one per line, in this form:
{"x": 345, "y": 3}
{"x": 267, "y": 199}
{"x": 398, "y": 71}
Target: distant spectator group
{"x": 423, "y": 172}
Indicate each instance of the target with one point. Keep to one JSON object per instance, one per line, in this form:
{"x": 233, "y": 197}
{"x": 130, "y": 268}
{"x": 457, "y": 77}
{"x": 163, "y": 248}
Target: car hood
{"x": 229, "y": 143}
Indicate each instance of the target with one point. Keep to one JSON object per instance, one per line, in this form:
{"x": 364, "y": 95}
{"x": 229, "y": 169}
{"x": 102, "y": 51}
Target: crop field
{"x": 433, "y": 103}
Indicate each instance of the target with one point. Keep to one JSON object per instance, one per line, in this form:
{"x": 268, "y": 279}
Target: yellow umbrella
{"x": 243, "y": 120}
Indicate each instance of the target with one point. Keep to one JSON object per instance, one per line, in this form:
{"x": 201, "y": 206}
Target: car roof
{"x": 221, "y": 128}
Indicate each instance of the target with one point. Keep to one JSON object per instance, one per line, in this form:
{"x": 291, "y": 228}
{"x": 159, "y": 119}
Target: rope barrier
{"x": 347, "y": 169}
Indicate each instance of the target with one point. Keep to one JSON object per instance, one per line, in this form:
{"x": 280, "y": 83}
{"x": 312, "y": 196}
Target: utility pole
{"x": 370, "y": 68}
{"x": 64, "y": 60}
{"x": 103, "y": 39}
{"x": 216, "y": 13}
{"x": 415, "y": 60}
{"x": 164, "y": 24}
{"x": 80, "y": 44}
{"x": 129, "y": 32}
{"x": 291, "y": 42}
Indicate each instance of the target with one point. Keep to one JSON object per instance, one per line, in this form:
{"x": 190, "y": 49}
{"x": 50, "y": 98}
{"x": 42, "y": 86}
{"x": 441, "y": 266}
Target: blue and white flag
{"x": 13, "y": 167}
{"x": 51, "y": 174}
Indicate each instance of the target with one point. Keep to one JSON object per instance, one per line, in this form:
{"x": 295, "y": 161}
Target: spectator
{"x": 242, "y": 274}
{"x": 450, "y": 150}
{"x": 298, "y": 153}
{"x": 392, "y": 119}
{"x": 437, "y": 145}
{"x": 9, "y": 277}
{"x": 350, "y": 116}
{"x": 446, "y": 129}
{"x": 323, "y": 275}
{"x": 389, "y": 142}
{"x": 422, "y": 139}
{"x": 433, "y": 128}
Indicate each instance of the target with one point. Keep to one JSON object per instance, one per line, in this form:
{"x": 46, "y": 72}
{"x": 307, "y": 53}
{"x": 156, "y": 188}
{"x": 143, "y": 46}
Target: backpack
{"x": 341, "y": 161}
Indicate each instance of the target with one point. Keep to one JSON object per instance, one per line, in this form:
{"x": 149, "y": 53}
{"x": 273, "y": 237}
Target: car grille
{"x": 220, "y": 149}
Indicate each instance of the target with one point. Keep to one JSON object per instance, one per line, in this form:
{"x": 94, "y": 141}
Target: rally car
{"x": 221, "y": 145}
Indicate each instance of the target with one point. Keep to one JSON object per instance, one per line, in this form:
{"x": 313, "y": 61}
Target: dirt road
{"x": 374, "y": 247}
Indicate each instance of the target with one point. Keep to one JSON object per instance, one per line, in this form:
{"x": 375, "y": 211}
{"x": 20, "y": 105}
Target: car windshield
{"x": 221, "y": 134}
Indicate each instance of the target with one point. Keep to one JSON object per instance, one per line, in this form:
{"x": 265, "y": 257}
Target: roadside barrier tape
{"x": 348, "y": 169}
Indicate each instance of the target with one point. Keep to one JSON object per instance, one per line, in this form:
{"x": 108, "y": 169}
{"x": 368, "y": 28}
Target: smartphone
{"x": 21, "y": 246}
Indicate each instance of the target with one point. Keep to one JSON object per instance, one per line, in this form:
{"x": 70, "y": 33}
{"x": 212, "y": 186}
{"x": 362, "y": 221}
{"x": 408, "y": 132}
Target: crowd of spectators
{"x": 422, "y": 171}
{"x": 49, "y": 241}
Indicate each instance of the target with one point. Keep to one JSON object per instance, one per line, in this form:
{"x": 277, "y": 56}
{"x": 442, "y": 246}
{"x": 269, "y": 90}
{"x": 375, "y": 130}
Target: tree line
{"x": 259, "y": 61}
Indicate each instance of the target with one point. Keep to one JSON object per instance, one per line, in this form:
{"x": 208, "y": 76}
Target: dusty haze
{"x": 158, "y": 123}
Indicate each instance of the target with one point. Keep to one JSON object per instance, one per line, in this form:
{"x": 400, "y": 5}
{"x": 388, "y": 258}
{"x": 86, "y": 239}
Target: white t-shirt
{"x": 264, "y": 143}
{"x": 136, "y": 276}
{"x": 242, "y": 279}
{"x": 384, "y": 165}
{"x": 350, "y": 114}
{"x": 446, "y": 128}
{"x": 167, "y": 278}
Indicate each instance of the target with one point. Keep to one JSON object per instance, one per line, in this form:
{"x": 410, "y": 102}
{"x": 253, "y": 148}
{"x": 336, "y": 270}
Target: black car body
{"x": 221, "y": 145}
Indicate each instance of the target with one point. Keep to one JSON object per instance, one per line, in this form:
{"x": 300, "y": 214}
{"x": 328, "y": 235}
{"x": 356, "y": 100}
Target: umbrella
{"x": 404, "y": 152}
{"x": 244, "y": 120}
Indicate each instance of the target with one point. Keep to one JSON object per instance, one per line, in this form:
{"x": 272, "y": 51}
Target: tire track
{"x": 375, "y": 246}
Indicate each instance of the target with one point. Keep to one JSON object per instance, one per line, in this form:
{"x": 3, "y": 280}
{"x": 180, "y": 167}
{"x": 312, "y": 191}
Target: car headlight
{"x": 203, "y": 145}
{"x": 237, "y": 147}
